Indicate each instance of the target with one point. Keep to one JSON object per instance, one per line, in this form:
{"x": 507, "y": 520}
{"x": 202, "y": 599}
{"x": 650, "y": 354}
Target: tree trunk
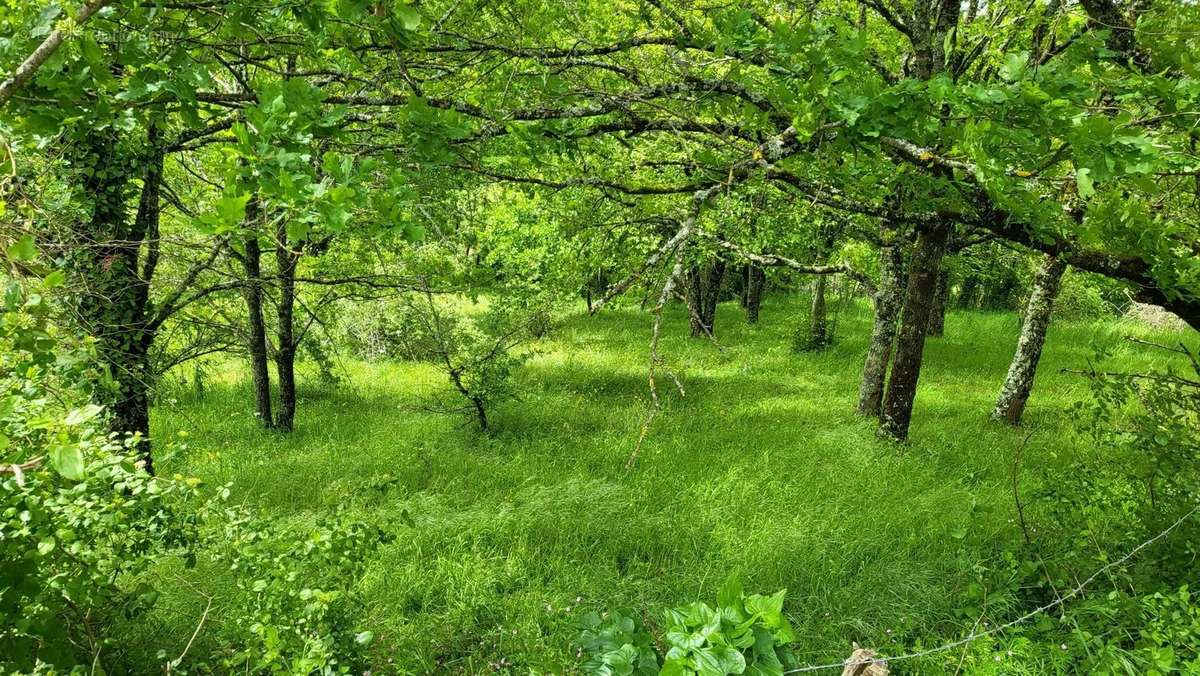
{"x": 596, "y": 284}
{"x": 883, "y": 334}
{"x": 1019, "y": 381}
{"x": 285, "y": 352}
{"x": 113, "y": 303}
{"x": 818, "y": 327}
{"x": 937, "y": 316}
{"x": 757, "y": 278}
{"x": 966, "y": 295}
{"x": 712, "y": 294}
{"x": 695, "y": 302}
{"x": 910, "y": 345}
{"x": 131, "y": 406}
{"x": 257, "y": 344}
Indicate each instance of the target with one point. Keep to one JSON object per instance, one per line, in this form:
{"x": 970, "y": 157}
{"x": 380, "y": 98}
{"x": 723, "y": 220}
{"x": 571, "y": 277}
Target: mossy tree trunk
{"x": 252, "y": 292}
{"x": 285, "y": 350}
{"x": 712, "y": 294}
{"x": 816, "y": 336}
{"x": 818, "y": 326}
{"x": 914, "y": 321}
{"x": 695, "y": 298}
{"x": 1019, "y": 382}
{"x": 756, "y": 279}
{"x": 883, "y": 334}
{"x": 113, "y": 301}
{"x": 703, "y": 293}
{"x": 937, "y": 316}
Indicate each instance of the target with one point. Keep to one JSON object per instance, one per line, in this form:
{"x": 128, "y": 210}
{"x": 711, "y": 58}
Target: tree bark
{"x": 937, "y": 316}
{"x": 883, "y": 333}
{"x": 818, "y": 327}
{"x": 113, "y": 303}
{"x": 1019, "y": 382}
{"x": 257, "y": 341}
{"x": 756, "y": 280}
{"x": 966, "y": 295}
{"x": 712, "y": 294}
{"x": 695, "y": 301}
{"x": 910, "y": 345}
{"x": 285, "y": 352}
{"x": 22, "y": 73}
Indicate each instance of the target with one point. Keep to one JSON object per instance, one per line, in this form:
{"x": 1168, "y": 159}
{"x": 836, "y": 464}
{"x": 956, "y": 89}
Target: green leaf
{"x": 413, "y": 232}
{"x": 82, "y": 415}
{"x": 23, "y": 249}
{"x": 1083, "y": 181}
{"x": 46, "y": 546}
{"x": 68, "y": 461}
{"x": 730, "y": 593}
{"x": 54, "y": 279}
{"x": 409, "y": 17}
{"x": 1014, "y": 66}
{"x": 364, "y": 637}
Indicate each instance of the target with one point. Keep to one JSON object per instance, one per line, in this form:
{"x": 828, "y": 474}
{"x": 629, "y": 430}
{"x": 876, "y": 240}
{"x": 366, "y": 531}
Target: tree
{"x": 1014, "y": 393}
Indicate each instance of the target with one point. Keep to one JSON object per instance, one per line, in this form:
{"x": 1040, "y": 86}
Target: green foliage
{"x": 617, "y": 644}
{"x": 296, "y": 609}
{"x": 74, "y": 550}
{"x": 80, "y": 521}
{"x": 477, "y": 353}
{"x": 1085, "y": 297}
{"x": 741, "y": 635}
{"x": 1141, "y": 615}
{"x": 1152, "y": 419}
{"x": 84, "y": 531}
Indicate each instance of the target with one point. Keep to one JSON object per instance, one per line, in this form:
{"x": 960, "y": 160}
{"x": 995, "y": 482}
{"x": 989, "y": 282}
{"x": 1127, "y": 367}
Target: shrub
{"x": 477, "y": 354}
{"x": 79, "y": 519}
{"x": 1141, "y": 615}
{"x": 73, "y": 550}
{"x": 1082, "y": 297}
{"x": 83, "y": 527}
{"x": 295, "y": 609}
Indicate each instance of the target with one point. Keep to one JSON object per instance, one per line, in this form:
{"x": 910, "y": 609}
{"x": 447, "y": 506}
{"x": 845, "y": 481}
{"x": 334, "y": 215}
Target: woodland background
{"x": 459, "y": 336}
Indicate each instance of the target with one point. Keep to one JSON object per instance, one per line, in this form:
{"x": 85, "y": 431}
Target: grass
{"x": 503, "y": 540}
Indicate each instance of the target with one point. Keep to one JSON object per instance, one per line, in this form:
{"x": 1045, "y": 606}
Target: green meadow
{"x": 761, "y": 467}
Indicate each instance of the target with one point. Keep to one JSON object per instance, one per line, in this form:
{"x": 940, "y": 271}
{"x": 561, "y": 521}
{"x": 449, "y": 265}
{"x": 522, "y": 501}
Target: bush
{"x": 73, "y": 551}
{"x": 1082, "y": 297}
{"x": 83, "y": 528}
{"x": 1140, "y": 615}
{"x": 477, "y": 354}
{"x": 295, "y": 609}
{"x": 79, "y": 519}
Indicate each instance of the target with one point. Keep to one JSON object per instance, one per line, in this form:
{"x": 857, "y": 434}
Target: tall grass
{"x": 762, "y": 466}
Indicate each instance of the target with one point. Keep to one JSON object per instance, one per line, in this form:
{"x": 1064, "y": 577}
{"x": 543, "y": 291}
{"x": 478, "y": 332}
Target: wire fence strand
{"x": 976, "y": 635}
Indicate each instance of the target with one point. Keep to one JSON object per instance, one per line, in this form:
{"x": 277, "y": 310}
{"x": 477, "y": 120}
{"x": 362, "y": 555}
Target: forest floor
{"x": 504, "y": 540}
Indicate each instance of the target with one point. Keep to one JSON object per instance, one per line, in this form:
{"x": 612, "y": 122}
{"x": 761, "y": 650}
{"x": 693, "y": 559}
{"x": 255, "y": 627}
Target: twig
{"x": 44, "y": 51}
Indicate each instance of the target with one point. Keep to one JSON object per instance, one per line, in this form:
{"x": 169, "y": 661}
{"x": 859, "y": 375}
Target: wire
{"x": 973, "y": 636}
